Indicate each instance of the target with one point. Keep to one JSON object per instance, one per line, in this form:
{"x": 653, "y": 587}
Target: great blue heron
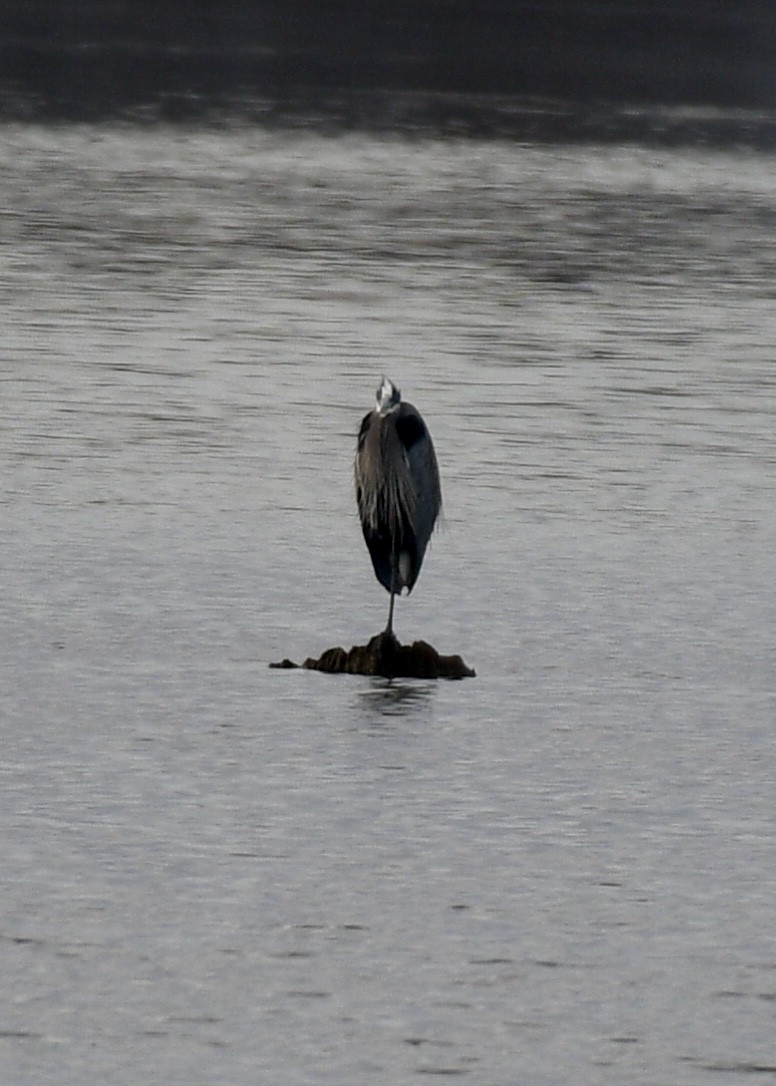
{"x": 397, "y": 490}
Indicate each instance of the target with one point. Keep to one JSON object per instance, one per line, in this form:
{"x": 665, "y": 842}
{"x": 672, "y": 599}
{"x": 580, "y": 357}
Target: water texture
{"x": 561, "y": 871}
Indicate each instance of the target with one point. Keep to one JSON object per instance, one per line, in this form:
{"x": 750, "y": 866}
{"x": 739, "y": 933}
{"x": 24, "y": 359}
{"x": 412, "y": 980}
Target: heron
{"x": 397, "y": 490}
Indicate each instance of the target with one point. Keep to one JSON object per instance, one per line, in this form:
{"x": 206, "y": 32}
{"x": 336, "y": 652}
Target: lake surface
{"x": 562, "y": 871}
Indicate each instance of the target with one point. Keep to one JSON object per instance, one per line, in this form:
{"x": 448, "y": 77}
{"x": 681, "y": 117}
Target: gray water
{"x": 562, "y": 871}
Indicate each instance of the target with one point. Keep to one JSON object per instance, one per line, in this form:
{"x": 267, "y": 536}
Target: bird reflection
{"x": 393, "y": 697}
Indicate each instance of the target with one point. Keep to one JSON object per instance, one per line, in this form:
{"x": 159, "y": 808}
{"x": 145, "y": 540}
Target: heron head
{"x": 388, "y": 396}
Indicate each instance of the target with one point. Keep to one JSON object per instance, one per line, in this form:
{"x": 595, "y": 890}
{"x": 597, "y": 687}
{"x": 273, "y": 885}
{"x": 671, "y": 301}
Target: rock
{"x": 384, "y": 655}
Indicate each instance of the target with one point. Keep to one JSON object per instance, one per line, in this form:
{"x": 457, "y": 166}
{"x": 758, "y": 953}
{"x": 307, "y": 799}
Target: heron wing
{"x": 423, "y": 472}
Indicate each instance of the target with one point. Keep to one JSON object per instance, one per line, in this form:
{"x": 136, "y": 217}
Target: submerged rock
{"x": 384, "y": 655}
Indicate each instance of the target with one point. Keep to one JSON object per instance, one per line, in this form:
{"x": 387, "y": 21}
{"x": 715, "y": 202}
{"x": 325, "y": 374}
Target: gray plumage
{"x": 397, "y": 490}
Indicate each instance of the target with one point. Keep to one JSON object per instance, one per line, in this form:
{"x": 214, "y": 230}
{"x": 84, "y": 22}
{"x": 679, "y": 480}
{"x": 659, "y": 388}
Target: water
{"x": 561, "y": 871}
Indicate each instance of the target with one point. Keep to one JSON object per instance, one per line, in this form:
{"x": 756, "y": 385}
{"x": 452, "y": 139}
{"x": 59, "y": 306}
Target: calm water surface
{"x": 561, "y": 871}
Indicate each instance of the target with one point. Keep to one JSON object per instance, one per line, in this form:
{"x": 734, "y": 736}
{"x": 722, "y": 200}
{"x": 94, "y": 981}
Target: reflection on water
{"x": 395, "y": 698}
{"x": 194, "y": 324}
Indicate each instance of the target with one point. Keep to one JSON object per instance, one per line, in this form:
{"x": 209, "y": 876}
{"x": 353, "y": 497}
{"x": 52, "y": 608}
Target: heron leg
{"x": 389, "y": 627}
